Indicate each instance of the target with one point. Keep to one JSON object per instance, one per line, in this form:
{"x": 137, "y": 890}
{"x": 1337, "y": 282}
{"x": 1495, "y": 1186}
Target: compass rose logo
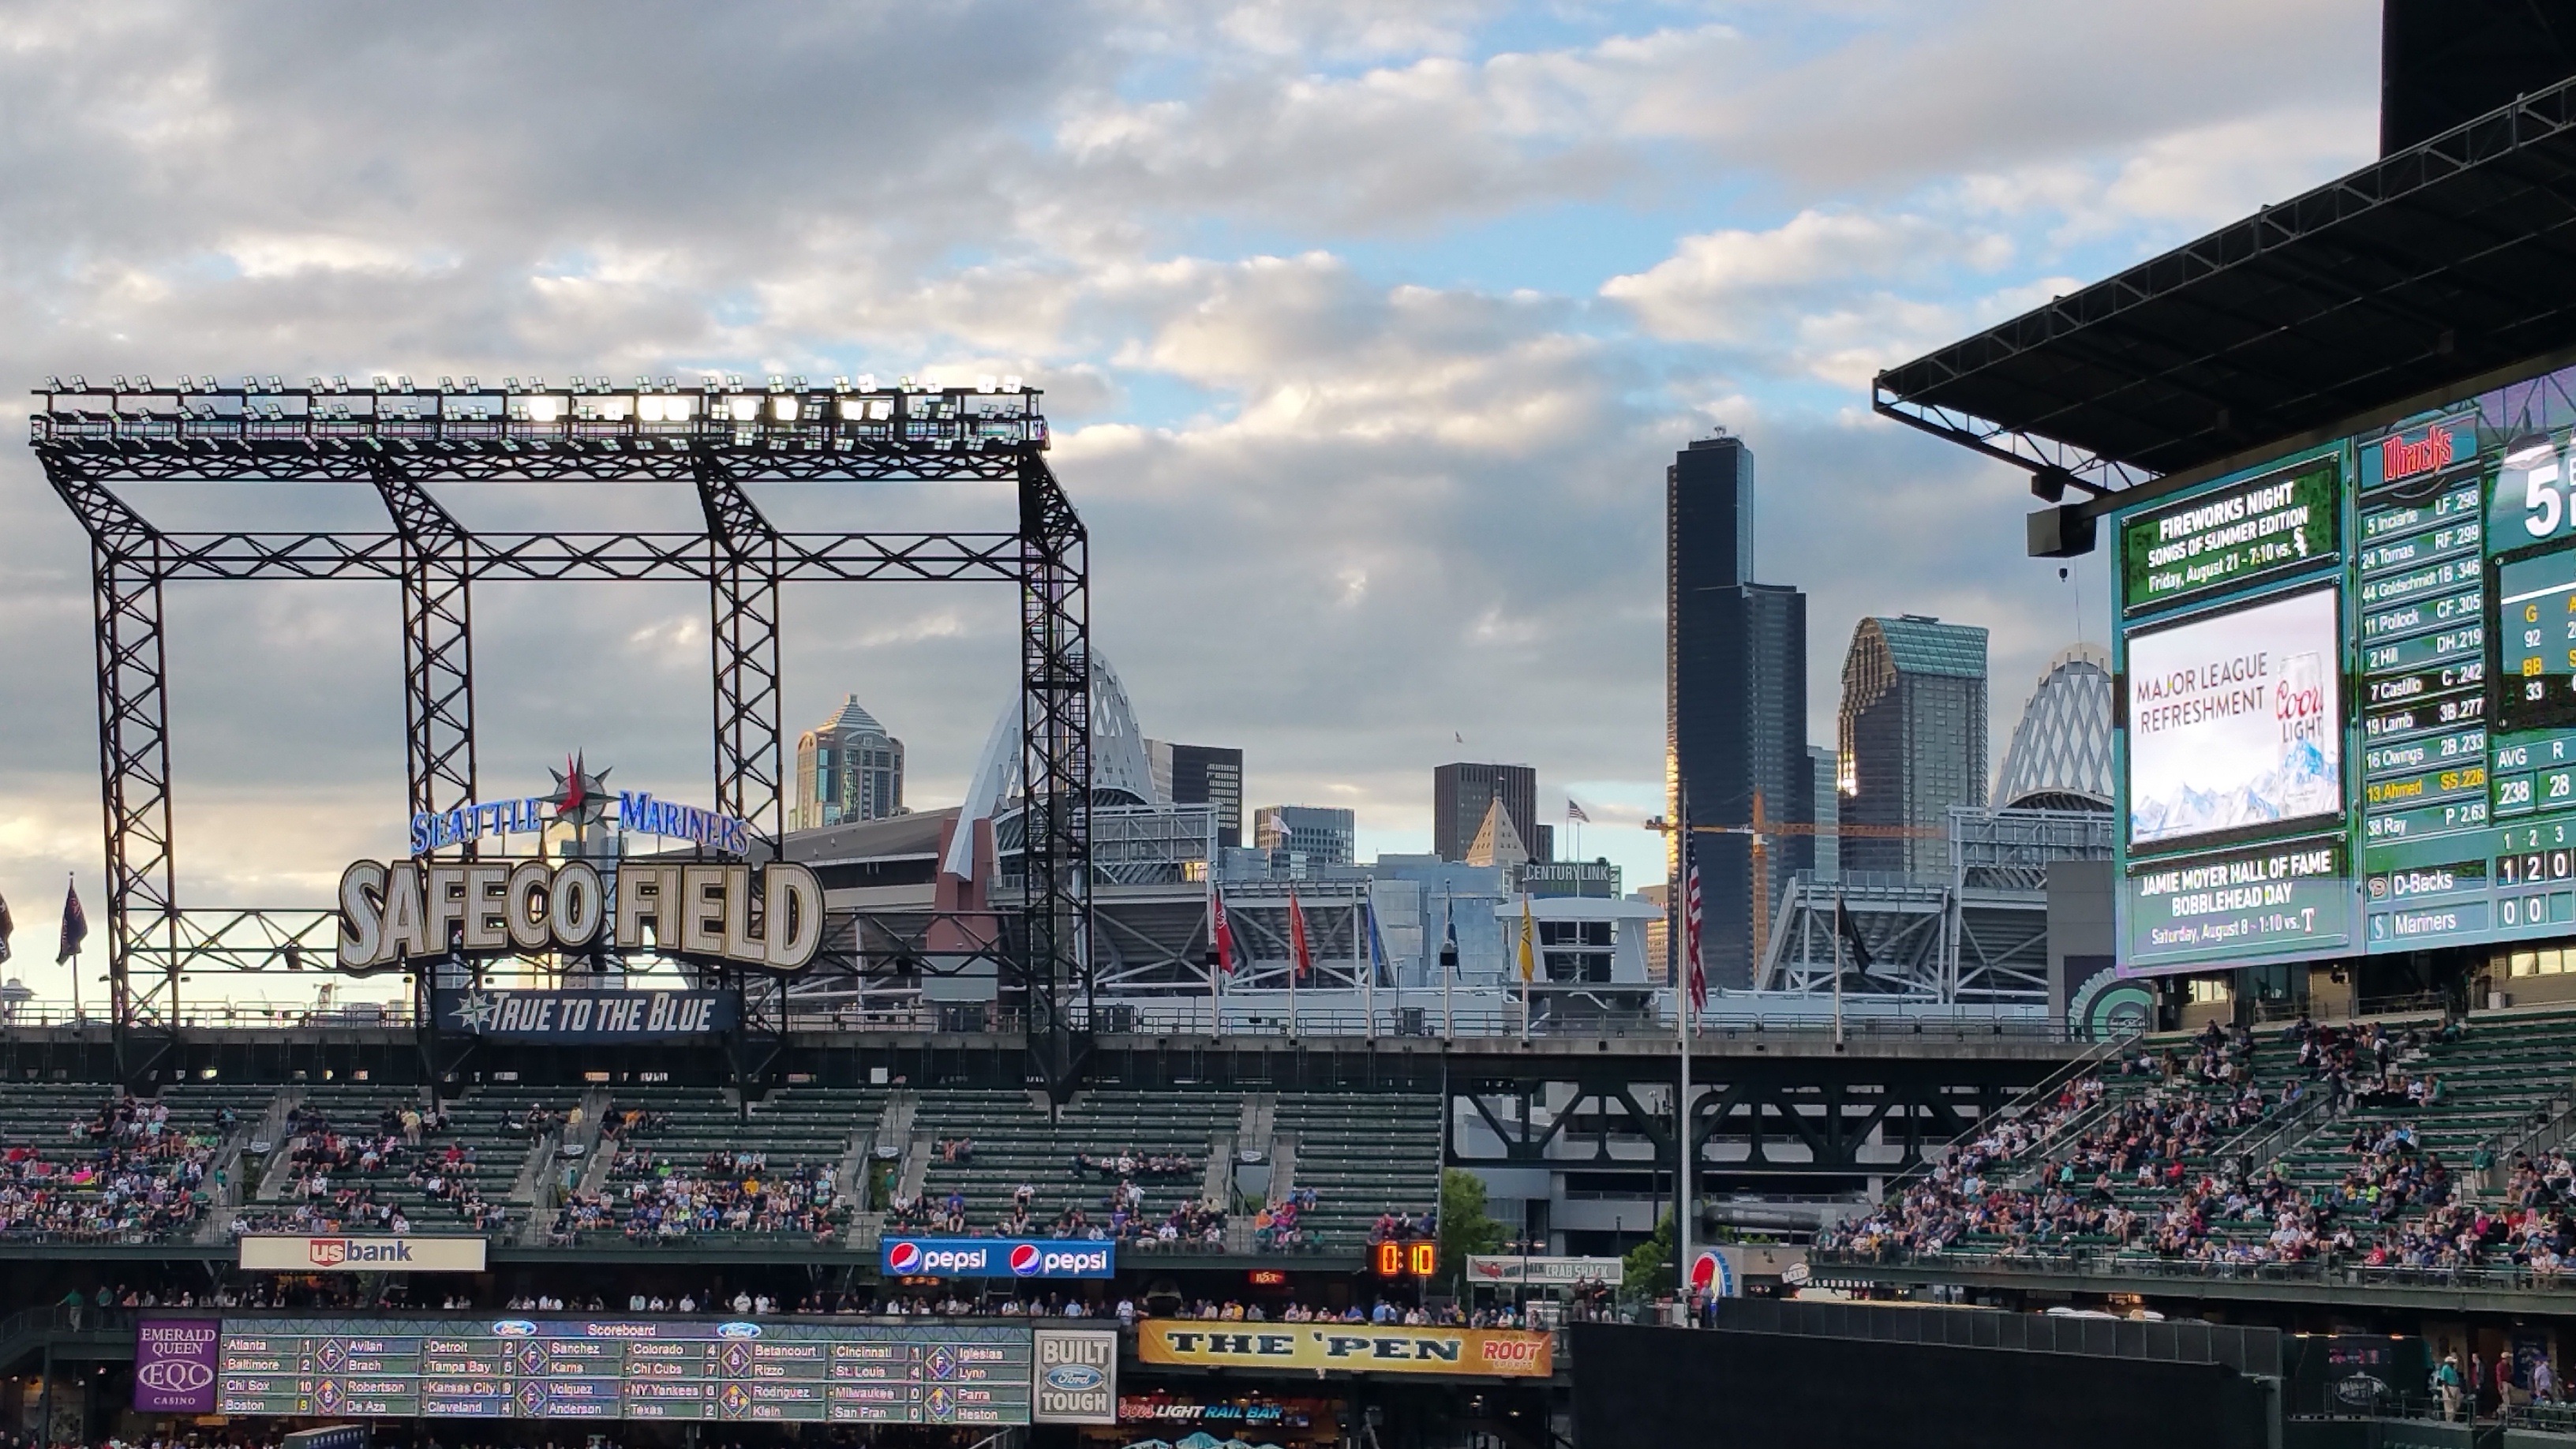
{"x": 580, "y": 797}
{"x": 478, "y": 1010}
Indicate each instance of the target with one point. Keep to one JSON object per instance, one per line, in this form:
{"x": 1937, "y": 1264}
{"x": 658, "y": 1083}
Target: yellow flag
{"x": 1529, "y": 937}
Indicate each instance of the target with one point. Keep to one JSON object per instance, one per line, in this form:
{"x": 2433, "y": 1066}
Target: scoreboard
{"x": 2346, "y": 684}
{"x": 625, "y": 1368}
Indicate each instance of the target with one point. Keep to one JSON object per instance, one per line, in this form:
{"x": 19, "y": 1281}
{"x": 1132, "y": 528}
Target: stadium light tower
{"x": 403, "y": 440}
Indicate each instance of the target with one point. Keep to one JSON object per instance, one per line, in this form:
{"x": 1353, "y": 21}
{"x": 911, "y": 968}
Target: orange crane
{"x": 1761, "y": 828}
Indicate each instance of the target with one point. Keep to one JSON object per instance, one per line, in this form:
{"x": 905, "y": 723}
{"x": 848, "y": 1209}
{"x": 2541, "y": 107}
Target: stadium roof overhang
{"x": 2439, "y": 270}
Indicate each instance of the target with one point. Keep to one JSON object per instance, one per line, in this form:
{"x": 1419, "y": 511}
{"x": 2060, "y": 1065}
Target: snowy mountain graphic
{"x": 2304, "y": 783}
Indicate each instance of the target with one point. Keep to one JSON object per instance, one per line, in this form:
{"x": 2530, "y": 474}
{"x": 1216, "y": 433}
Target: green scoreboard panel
{"x": 2347, "y": 695}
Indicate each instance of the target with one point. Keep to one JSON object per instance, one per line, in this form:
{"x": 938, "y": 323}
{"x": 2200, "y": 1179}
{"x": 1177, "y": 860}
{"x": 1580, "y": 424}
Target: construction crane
{"x": 1761, "y": 829}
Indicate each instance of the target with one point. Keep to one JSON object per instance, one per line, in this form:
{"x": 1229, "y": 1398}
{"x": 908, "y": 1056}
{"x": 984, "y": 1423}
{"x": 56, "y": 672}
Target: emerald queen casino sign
{"x": 2347, "y": 695}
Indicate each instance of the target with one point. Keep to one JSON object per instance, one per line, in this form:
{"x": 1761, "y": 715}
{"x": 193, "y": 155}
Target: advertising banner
{"x": 2233, "y": 536}
{"x": 2235, "y": 721}
{"x": 1548, "y": 1272}
{"x": 1349, "y": 1347}
{"x": 2239, "y": 904}
{"x": 174, "y": 1365}
{"x": 585, "y": 1017}
{"x": 997, "y": 1258}
{"x": 285, "y": 1253}
{"x": 1075, "y": 1376}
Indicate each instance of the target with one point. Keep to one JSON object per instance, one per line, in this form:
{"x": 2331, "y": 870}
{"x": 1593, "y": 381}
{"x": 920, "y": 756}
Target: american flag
{"x": 1691, "y": 950}
{"x": 1575, "y": 812}
{"x": 75, "y": 925}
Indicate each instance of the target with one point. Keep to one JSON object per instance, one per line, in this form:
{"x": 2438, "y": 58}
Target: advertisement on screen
{"x": 2236, "y": 721}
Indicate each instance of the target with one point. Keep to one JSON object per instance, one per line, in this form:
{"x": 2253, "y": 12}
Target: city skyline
{"x": 1365, "y": 336}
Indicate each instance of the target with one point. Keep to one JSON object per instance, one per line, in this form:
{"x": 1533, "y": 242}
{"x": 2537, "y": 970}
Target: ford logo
{"x": 514, "y": 1328}
{"x": 174, "y": 1375}
{"x": 737, "y": 1330}
{"x": 1073, "y": 1378}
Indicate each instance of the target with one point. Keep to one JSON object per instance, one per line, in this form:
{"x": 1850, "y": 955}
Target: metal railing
{"x": 2115, "y": 1268}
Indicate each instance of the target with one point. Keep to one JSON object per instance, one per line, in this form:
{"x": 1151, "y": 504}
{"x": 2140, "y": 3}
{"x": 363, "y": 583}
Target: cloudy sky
{"x": 1366, "y": 326}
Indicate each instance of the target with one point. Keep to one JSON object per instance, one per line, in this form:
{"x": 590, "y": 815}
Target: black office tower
{"x": 1202, "y": 775}
{"x": 1735, "y": 692}
{"x": 1462, "y": 793}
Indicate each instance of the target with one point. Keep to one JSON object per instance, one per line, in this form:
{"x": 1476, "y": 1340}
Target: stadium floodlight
{"x": 986, "y": 382}
{"x": 1011, "y": 382}
{"x": 744, "y": 409}
{"x": 867, "y": 382}
{"x": 545, "y": 408}
{"x": 783, "y": 407}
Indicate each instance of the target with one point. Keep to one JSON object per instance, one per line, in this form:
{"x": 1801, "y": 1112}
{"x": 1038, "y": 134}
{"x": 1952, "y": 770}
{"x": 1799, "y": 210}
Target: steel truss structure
{"x": 2434, "y": 265}
{"x": 1791, "y": 1110}
{"x": 720, "y": 439}
{"x": 1978, "y": 935}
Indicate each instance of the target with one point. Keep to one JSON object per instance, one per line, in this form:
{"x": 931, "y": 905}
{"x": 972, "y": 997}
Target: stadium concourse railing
{"x": 2117, "y": 1270}
{"x": 1400, "y": 1016}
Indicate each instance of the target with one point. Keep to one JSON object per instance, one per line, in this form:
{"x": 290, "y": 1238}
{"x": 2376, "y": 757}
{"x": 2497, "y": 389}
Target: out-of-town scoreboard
{"x": 2347, "y": 694}
{"x": 639, "y": 1368}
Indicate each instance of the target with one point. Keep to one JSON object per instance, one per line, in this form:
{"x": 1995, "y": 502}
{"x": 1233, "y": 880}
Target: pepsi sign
{"x": 996, "y": 1258}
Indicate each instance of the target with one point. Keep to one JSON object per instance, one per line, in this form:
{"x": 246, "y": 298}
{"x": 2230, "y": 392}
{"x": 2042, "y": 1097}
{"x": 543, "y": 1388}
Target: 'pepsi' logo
{"x": 1024, "y": 1259}
{"x": 903, "y": 1257}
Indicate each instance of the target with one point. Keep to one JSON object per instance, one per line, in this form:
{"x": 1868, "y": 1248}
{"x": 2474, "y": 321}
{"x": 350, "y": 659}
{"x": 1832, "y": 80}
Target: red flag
{"x": 1691, "y": 925}
{"x": 1222, "y": 931}
{"x": 1297, "y": 946}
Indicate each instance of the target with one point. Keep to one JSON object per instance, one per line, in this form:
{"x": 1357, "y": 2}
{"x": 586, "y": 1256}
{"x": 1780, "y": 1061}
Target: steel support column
{"x": 438, "y": 645}
{"x": 750, "y": 762}
{"x": 1055, "y": 760}
{"x": 133, "y": 750}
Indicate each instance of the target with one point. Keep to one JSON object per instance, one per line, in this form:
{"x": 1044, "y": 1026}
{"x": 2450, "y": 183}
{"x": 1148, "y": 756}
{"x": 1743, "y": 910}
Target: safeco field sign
{"x": 1349, "y": 1347}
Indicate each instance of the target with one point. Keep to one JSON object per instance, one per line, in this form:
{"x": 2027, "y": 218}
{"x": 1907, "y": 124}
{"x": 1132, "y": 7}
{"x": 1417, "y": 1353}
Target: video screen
{"x": 2235, "y": 722}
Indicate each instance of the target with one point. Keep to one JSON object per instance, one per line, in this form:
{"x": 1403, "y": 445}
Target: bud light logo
{"x": 996, "y": 1258}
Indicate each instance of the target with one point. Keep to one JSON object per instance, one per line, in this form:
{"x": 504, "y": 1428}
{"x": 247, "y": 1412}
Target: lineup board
{"x": 613, "y": 1368}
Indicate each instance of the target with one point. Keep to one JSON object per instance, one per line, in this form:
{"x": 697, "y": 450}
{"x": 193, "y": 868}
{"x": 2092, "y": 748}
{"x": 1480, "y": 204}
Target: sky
{"x": 1366, "y": 330}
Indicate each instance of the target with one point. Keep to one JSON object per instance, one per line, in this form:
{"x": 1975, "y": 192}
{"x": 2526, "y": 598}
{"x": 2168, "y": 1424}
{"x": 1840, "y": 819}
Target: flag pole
{"x": 1448, "y": 968}
{"x": 1838, "y": 969}
{"x": 1362, "y": 951}
{"x": 1215, "y": 961}
{"x": 1682, "y": 1139}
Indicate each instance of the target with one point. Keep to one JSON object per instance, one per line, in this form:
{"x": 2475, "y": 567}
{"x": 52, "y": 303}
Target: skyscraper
{"x": 847, "y": 768}
{"x": 1735, "y": 657}
{"x": 1913, "y": 737}
{"x": 1322, "y": 834}
{"x": 1460, "y": 795}
{"x": 1829, "y": 812}
{"x": 1202, "y": 775}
